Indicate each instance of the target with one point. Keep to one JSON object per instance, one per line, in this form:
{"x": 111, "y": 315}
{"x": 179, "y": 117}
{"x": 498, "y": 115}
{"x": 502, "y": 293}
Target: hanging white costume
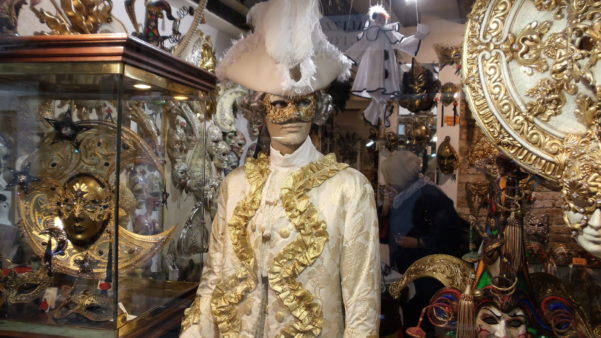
{"x": 378, "y": 75}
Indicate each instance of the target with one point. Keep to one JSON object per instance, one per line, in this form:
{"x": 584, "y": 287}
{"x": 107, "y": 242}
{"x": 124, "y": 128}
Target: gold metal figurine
{"x": 75, "y": 16}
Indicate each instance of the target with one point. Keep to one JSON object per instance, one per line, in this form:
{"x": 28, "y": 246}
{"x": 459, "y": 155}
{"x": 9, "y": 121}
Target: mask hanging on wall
{"x": 419, "y": 88}
{"x": 447, "y": 157}
{"x": 448, "y": 96}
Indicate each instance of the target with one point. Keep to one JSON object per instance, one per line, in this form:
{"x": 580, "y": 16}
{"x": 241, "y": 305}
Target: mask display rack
{"x": 101, "y": 128}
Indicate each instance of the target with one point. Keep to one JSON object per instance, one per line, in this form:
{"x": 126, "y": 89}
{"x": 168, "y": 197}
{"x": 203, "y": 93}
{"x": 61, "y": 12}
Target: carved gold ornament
{"x": 75, "y": 16}
{"x": 451, "y": 271}
{"x": 76, "y": 194}
{"x": 483, "y": 156}
{"x": 530, "y": 72}
{"x": 448, "y": 55}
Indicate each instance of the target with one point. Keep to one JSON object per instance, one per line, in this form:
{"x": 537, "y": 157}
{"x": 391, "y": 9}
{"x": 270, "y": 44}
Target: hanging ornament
{"x": 378, "y": 75}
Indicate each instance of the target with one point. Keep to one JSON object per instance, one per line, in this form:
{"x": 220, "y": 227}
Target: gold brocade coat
{"x": 293, "y": 253}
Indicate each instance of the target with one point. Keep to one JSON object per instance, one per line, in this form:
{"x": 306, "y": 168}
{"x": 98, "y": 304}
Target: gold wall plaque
{"x": 530, "y": 70}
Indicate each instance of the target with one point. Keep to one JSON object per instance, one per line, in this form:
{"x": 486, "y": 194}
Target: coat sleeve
{"x": 360, "y": 269}
{"x": 198, "y": 318}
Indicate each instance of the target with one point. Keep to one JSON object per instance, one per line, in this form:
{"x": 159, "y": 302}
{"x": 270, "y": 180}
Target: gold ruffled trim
{"x": 304, "y": 250}
{"x": 232, "y": 290}
{"x": 191, "y": 314}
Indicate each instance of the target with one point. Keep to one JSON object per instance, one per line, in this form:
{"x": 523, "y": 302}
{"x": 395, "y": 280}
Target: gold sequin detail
{"x": 233, "y": 289}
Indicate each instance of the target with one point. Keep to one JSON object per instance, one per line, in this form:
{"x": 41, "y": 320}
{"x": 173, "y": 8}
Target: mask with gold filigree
{"x": 446, "y": 157}
{"x": 419, "y": 89}
{"x": 95, "y": 307}
{"x": 85, "y": 206}
{"x": 24, "y": 287}
{"x": 281, "y": 110}
{"x": 581, "y": 180}
{"x": 448, "y": 55}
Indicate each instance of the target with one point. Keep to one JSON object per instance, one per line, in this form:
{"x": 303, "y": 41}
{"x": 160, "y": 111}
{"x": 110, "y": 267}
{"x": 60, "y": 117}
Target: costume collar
{"x": 302, "y": 156}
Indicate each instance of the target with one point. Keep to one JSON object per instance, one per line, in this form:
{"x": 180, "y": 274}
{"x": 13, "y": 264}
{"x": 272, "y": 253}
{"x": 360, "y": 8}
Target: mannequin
{"x": 294, "y": 244}
{"x": 338, "y": 221}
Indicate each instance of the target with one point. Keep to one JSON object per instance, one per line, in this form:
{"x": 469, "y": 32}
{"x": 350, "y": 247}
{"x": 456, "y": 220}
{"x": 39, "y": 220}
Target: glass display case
{"x": 102, "y": 184}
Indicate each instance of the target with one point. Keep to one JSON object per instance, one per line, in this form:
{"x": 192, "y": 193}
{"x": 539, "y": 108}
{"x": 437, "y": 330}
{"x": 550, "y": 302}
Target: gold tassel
{"x": 513, "y": 248}
{"x": 466, "y": 326}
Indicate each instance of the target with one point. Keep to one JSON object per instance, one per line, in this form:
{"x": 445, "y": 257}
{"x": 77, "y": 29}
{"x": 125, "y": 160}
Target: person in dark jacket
{"x": 423, "y": 221}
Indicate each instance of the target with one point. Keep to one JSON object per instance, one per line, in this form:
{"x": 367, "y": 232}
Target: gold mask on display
{"x": 84, "y": 206}
{"x": 581, "y": 181}
{"x": 24, "y": 287}
{"x": 75, "y": 195}
{"x": 95, "y": 307}
{"x": 280, "y": 110}
{"x": 447, "y": 157}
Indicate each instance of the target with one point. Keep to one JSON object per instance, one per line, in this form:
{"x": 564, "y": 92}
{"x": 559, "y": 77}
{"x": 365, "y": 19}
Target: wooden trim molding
{"x": 104, "y": 48}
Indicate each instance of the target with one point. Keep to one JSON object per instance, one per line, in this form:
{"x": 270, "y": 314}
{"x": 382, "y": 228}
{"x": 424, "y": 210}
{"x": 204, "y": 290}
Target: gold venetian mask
{"x": 581, "y": 181}
{"x": 84, "y": 206}
{"x": 24, "y": 287}
{"x": 95, "y": 307}
{"x": 447, "y": 157}
{"x": 283, "y": 109}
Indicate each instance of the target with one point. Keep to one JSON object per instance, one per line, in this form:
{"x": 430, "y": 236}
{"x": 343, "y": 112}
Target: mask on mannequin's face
{"x": 289, "y": 119}
{"x": 492, "y": 323}
{"x": 85, "y": 206}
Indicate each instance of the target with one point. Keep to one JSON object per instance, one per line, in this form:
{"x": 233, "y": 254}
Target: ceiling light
{"x": 142, "y": 86}
{"x": 180, "y": 97}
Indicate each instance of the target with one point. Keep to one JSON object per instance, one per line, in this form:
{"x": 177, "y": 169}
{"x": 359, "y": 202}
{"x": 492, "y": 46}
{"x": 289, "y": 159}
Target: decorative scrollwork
{"x": 528, "y": 116}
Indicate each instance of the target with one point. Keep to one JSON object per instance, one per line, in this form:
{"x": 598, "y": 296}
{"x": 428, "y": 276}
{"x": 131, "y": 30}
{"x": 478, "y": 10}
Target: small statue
{"x": 75, "y": 16}
{"x": 9, "y": 15}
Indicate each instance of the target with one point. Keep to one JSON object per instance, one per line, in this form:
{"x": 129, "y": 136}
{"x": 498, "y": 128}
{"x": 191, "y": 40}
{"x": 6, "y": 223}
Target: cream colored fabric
{"x": 345, "y": 279}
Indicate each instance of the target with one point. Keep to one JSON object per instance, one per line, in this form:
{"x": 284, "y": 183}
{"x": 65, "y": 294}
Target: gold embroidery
{"x": 303, "y": 251}
{"x": 232, "y": 290}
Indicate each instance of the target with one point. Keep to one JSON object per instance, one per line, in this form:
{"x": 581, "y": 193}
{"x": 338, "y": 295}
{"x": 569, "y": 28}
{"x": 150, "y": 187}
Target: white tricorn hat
{"x": 287, "y": 54}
